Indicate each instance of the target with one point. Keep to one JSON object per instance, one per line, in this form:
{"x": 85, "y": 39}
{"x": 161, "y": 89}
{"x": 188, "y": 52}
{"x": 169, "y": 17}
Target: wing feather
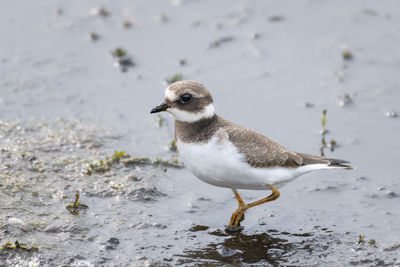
{"x": 260, "y": 151}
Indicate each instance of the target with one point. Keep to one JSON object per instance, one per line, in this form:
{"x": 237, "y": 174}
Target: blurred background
{"x": 78, "y": 81}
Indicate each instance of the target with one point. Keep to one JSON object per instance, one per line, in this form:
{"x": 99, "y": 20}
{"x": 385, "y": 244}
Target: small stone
{"x": 345, "y": 100}
{"x": 370, "y": 12}
{"x": 14, "y": 220}
{"x": 197, "y": 228}
{"x": 275, "y": 18}
{"x": 162, "y": 17}
{"x": 392, "y": 247}
{"x": 390, "y": 194}
{"x": 340, "y": 76}
{"x": 182, "y": 62}
{"x": 133, "y": 178}
{"x": 94, "y": 36}
{"x": 308, "y": 104}
{"x": 391, "y": 114}
{"x": 254, "y": 35}
{"x": 100, "y": 11}
{"x": 113, "y": 240}
{"x": 126, "y": 24}
{"x": 159, "y": 225}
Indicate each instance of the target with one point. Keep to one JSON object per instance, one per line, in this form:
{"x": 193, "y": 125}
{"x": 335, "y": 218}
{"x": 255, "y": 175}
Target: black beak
{"x": 159, "y": 108}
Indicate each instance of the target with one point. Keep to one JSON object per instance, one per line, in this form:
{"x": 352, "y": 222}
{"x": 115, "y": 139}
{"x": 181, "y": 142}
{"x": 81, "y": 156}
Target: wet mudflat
{"x": 77, "y": 82}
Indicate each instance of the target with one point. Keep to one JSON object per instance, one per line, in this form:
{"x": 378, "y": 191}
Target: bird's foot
{"x": 234, "y": 224}
{"x": 233, "y": 229}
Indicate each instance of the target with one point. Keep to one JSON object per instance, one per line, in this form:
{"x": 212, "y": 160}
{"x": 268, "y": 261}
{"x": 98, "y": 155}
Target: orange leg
{"x": 238, "y": 214}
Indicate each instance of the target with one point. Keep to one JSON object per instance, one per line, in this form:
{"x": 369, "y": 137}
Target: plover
{"x": 225, "y": 154}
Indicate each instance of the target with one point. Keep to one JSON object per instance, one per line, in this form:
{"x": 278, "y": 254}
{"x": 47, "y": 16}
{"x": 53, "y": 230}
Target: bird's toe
{"x": 232, "y": 229}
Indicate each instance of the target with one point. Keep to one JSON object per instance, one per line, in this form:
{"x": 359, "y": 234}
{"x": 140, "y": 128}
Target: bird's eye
{"x": 186, "y": 98}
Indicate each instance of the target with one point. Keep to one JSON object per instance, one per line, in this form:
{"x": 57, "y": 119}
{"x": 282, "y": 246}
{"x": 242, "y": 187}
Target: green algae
{"x": 174, "y": 78}
{"x": 17, "y": 246}
{"x": 121, "y": 157}
{"x": 347, "y": 55}
{"x": 76, "y": 206}
{"x": 332, "y": 144}
{"x": 160, "y": 120}
{"x": 122, "y": 59}
{"x": 119, "y": 52}
{"x": 172, "y": 146}
{"x": 167, "y": 163}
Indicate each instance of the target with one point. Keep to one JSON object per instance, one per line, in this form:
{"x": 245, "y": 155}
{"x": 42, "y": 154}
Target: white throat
{"x": 186, "y": 116}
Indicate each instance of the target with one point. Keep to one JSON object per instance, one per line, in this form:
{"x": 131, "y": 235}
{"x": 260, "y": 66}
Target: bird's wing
{"x": 260, "y": 151}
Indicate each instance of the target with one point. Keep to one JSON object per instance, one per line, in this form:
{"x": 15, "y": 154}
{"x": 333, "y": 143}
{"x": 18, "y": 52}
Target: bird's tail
{"x": 339, "y": 163}
{"x": 333, "y": 163}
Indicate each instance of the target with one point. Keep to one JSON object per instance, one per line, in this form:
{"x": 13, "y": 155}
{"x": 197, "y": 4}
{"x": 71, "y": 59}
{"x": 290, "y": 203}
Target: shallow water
{"x": 64, "y": 106}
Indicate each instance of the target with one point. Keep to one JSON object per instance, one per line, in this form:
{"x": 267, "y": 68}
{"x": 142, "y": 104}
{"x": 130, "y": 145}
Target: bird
{"x": 224, "y": 154}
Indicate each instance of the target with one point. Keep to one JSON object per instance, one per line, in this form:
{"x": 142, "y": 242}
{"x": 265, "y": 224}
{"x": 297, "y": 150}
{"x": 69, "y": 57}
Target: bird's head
{"x": 187, "y": 101}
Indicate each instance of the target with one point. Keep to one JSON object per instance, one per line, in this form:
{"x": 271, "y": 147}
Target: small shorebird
{"x": 224, "y": 154}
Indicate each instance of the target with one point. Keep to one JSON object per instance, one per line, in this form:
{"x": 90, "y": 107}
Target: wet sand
{"x": 66, "y": 103}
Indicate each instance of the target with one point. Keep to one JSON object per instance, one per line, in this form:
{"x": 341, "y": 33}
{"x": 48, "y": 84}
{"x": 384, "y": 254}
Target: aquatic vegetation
{"x": 100, "y": 167}
{"x": 167, "y": 163}
{"x": 76, "y": 206}
{"x": 361, "y": 240}
{"x": 174, "y": 78}
{"x": 324, "y": 144}
{"x": 118, "y": 155}
{"x": 137, "y": 161}
{"x": 347, "y": 55}
{"x": 332, "y": 145}
{"x": 172, "y": 146}
{"x": 9, "y": 246}
{"x": 158, "y": 162}
{"x": 160, "y": 120}
{"x": 128, "y": 161}
{"x": 122, "y": 59}
{"x": 323, "y": 121}
{"x": 119, "y": 52}
{"x": 105, "y": 165}
{"x": 220, "y": 41}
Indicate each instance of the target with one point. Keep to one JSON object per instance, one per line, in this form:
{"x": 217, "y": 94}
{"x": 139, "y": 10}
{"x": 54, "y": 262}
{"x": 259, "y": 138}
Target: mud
{"x": 66, "y": 104}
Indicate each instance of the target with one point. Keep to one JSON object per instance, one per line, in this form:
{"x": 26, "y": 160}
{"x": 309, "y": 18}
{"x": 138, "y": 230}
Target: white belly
{"x": 219, "y": 163}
